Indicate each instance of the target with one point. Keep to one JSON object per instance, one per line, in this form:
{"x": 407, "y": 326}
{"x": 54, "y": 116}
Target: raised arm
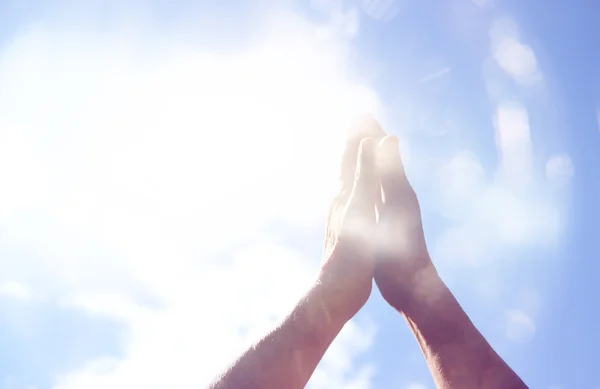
{"x": 457, "y": 354}
{"x": 287, "y": 356}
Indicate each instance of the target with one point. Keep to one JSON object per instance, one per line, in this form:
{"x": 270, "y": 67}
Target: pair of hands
{"x": 374, "y": 233}
{"x": 374, "y": 228}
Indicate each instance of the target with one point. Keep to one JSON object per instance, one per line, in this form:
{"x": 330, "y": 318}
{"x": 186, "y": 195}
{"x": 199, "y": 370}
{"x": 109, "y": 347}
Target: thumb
{"x": 360, "y": 212}
{"x": 394, "y": 183}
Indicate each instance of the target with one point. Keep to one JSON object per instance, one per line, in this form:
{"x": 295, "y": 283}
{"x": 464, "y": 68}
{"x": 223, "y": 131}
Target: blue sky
{"x": 137, "y": 249}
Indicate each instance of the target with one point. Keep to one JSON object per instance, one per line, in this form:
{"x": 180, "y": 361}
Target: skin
{"x": 457, "y": 354}
{"x": 374, "y": 232}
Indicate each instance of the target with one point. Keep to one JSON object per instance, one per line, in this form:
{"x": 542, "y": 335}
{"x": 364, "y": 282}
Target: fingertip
{"x": 362, "y": 202}
{"x": 389, "y": 142}
{"x": 366, "y": 170}
{"x": 363, "y": 126}
{"x": 389, "y": 153}
{"x": 366, "y": 126}
{"x": 389, "y": 163}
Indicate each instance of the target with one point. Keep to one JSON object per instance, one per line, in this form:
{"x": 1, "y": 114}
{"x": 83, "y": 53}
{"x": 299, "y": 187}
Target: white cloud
{"x": 23, "y": 178}
{"x": 337, "y": 368}
{"x": 211, "y": 318}
{"x": 138, "y": 168}
{"x": 493, "y": 214}
{"x": 498, "y": 219}
{"x": 342, "y": 16}
{"x": 520, "y": 220}
{"x": 15, "y": 290}
{"x": 514, "y": 57}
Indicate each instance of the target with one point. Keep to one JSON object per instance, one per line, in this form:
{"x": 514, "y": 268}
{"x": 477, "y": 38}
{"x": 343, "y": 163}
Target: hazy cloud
{"x": 15, "y": 290}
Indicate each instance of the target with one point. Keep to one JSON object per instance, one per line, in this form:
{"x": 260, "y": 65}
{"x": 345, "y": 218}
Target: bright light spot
{"x": 517, "y": 59}
{"x": 15, "y": 290}
{"x": 519, "y": 328}
{"x": 150, "y": 165}
{"x": 560, "y": 169}
{"x": 514, "y": 142}
{"x": 156, "y": 157}
{"x": 23, "y": 177}
{"x": 337, "y": 361}
{"x": 512, "y": 126}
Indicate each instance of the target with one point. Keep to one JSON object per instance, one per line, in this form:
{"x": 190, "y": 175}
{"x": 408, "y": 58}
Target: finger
{"x": 361, "y": 206}
{"x": 364, "y": 126}
{"x": 400, "y": 227}
{"x": 394, "y": 183}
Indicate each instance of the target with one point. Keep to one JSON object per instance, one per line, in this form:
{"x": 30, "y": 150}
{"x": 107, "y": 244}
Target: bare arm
{"x": 287, "y": 356}
{"x": 457, "y": 354}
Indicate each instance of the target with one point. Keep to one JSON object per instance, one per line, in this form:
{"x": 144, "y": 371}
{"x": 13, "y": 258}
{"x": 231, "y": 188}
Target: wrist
{"x": 344, "y": 283}
{"x": 402, "y": 288}
{"x": 318, "y": 317}
{"x": 342, "y": 298}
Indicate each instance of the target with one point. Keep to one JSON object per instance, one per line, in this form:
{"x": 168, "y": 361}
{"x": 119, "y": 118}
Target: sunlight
{"x": 155, "y": 175}
{"x": 169, "y": 146}
{"x": 166, "y": 170}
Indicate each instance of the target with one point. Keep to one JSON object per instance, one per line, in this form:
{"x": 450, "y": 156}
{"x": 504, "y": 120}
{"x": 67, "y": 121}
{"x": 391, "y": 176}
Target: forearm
{"x": 288, "y": 355}
{"x": 457, "y": 354}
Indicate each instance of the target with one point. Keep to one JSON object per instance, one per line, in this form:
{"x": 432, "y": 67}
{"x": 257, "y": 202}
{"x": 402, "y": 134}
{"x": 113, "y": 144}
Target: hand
{"x": 403, "y": 267}
{"x": 457, "y": 354}
{"x": 350, "y": 243}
